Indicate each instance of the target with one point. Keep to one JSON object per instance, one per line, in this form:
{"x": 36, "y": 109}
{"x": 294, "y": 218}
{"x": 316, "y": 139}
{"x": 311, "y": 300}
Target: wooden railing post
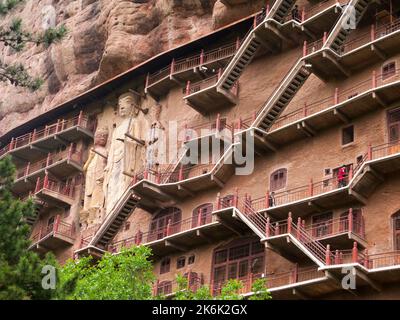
{"x": 304, "y": 48}
{"x": 202, "y": 57}
{"x": 70, "y": 151}
{"x": 58, "y": 125}
{"x": 219, "y": 73}
{"x": 328, "y": 255}
{"x": 146, "y": 174}
{"x": 27, "y": 169}
{"x": 372, "y": 32}
{"x": 11, "y": 145}
{"x": 188, "y": 87}
{"x": 336, "y": 96}
{"x": 56, "y": 224}
{"x": 155, "y": 289}
{"x": 267, "y": 194}
{"x": 250, "y": 282}
{"x": 168, "y": 231}
{"x": 147, "y": 80}
{"x": 236, "y": 198}
{"x": 337, "y": 257}
{"x": 276, "y": 230}
{"x": 350, "y": 218}
{"x": 199, "y": 218}
{"x": 180, "y": 178}
{"x": 37, "y": 188}
{"x": 218, "y": 201}
{"x": 172, "y": 66}
{"x": 255, "y": 22}
{"x": 351, "y": 172}
{"x": 237, "y": 43}
{"x": 354, "y": 253}
{"x": 366, "y": 260}
{"x": 373, "y": 79}
{"x": 325, "y": 37}
{"x": 46, "y": 181}
{"x": 311, "y": 188}
{"x": 298, "y": 234}
{"x": 303, "y": 14}
{"x": 369, "y": 151}
{"x": 80, "y": 117}
{"x": 33, "y": 138}
{"x": 218, "y": 123}
{"x": 48, "y": 159}
{"x": 296, "y": 273}
{"x": 289, "y": 223}
{"x": 267, "y": 227}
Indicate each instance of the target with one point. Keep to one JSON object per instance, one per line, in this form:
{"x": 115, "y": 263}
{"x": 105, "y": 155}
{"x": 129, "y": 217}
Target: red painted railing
{"x": 190, "y": 63}
{"x": 48, "y": 131}
{"x": 376, "y": 32}
{"x": 67, "y": 155}
{"x": 58, "y": 227}
{"x": 207, "y": 128}
{"x": 374, "y": 82}
{"x": 194, "y": 282}
{"x": 64, "y": 189}
{"x": 170, "y": 229}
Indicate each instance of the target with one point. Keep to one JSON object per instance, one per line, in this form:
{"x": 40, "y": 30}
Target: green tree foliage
{"x": 230, "y": 291}
{"x": 20, "y": 269}
{"x": 124, "y": 276}
{"x": 15, "y": 37}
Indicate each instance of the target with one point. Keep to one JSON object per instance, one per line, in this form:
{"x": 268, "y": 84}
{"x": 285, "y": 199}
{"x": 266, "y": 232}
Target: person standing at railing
{"x": 342, "y": 176}
{"x": 296, "y": 13}
{"x": 271, "y": 199}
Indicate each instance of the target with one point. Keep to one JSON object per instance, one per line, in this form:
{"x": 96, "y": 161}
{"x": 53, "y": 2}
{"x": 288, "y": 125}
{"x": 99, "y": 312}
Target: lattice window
{"x": 278, "y": 179}
{"x": 165, "y": 265}
{"x": 388, "y": 70}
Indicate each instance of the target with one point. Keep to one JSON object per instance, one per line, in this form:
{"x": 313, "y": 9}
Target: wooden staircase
{"x": 339, "y": 34}
{"x": 282, "y": 10}
{"x": 115, "y": 219}
{"x": 39, "y": 205}
{"x": 282, "y": 96}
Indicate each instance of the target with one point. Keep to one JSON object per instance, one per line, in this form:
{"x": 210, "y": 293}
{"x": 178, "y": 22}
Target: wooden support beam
{"x": 267, "y": 144}
{"x": 231, "y": 228}
{"x": 187, "y": 190}
{"x": 379, "y": 52}
{"x": 217, "y": 180}
{"x": 338, "y": 282}
{"x": 309, "y": 33}
{"x": 207, "y": 238}
{"x": 328, "y": 56}
{"x": 168, "y": 243}
{"x": 375, "y": 173}
{"x": 265, "y": 44}
{"x": 158, "y": 190}
{"x": 40, "y": 149}
{"x": 379, "y": 99}
{"x": 177, "y": 81}
{"x": 341, "y": 116}
{"x": 357, "y": 196}
{"x": 368, "y": 280}
{"x": 61, "y": 140}
{"x": 308, "y": 129}
{"x": 300, "y": 294}
{"x": 316, "y": 206}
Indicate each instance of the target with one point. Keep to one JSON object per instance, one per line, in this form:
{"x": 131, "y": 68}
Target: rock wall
{"x": 105, "y": 38}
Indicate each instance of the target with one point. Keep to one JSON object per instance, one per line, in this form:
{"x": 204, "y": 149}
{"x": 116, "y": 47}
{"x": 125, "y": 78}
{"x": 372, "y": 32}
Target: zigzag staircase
{"x": 249, "y": 47}
{"x": 285, "y": 92}
{"x": 339, "y": 34}
{"x": 114, "y": 220}
{"x": 305, "y": 242}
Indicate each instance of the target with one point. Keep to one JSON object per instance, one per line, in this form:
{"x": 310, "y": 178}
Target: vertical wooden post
{"x": 218, "y": 201}
{"x": 33, "y": 136}
{"x": 351, "y": 172}
{"x": 49, "y": 158}
{"x": 267, "y": 227}
{"x": 336, "y": 96}
{"x": 337, "y": 257}
{"x": 180, "y": 178}
{"x": 58, "y": 125}
{"x": 289, "y": 223}
{"x": 218, "y": 123}
{"x": 80, "y": 118}
{"x": 366, "y": 260}
{"x": 168, "y": 227}
{"x": 11, "y": 145}
{"x": 56, "y": 224}
{"x": 219, "y": 73}
{"x": 369, "y": 151}
{"x": 237, "y": 43}
{"x": 303, "y": 14}
{"x": 146, "y": 174}
{"x": 276, "y": 231}
{"x": 46, "y": 181}
{"x": 298, "y": 234}
{"x": 172, "y": 67}
{"x": 311, "y": 188}
{"x": 188, "y": 87}
{"x": 255, "y": 22}
{"x": 328, "y": 255}
{"x": 373, "y": 79}
{"x": 304, "y": 48}
{"x": 325, "y": 37}
{"x": 296, "y": 273}
{"x": 37, "y": 188}
{"x": 202, "y": 57}
{"x": 189, "y": 279}
{"x": 147, "y": 80}
{"x": 354, "y": 253}
{"x": 267, "y": 199}
{"x": 372, "y": 32}
{"x": 350, "y": 218}
{"x": 27, "y": 169}
{"x": 199, "y": 217}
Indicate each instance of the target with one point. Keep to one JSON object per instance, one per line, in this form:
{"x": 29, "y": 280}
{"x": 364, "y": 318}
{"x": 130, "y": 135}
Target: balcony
{"x": 169, "y": 288}
{"x": 182, "y": 235}
{"x": 54, "y": 236}
{"x": 352, "y": 54}
{"x": 34, "y": 145}
{"x": 188, "y": 69}
{"x": 313, "y": 20}
{"x": 184, "y": 180}
{"x": 55, "y": 192}
{"x": 85, "y": 248}
{"x": 376, "y": 91}
{"x": 59, "y": 164}
{"x": 207, "y": 97}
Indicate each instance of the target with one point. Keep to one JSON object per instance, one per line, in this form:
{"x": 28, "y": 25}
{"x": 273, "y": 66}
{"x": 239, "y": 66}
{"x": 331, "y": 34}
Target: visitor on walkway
{"x": 296, "y": 13}
{"x": 342, "y": 176}
{"x": 271, "y": 199}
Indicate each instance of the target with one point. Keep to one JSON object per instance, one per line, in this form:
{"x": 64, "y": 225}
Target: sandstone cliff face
{"x": 105, "y": 38}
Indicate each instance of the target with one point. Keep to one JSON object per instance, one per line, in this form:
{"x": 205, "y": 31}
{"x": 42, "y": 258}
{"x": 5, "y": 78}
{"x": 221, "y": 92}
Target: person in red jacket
{"x": 342, "y": 176}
